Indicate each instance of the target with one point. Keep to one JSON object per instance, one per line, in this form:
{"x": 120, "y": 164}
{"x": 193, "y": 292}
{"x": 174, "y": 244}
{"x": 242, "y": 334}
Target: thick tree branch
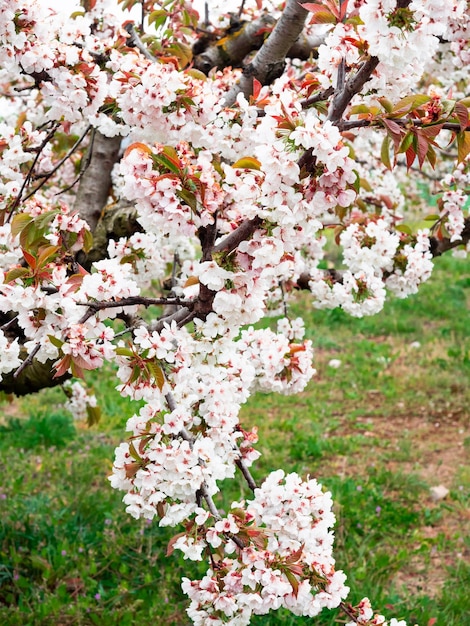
{"x": 351, "y": 88}
{"x": 439, "y": 246}
{"x": 32, "y": 378}
{"x": 232, "y": 49}
{"x": 95, "y": 184}
{"x": 269, "y": 62}
{"x": 244, "y": 231}
{"x": 344, "y": 94}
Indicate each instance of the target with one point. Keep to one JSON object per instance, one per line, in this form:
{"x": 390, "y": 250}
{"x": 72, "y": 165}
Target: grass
{"x": 379, "y": 431}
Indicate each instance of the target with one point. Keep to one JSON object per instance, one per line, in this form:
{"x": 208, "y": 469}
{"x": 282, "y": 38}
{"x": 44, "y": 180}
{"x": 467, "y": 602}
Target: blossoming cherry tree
{"x": 197, "y": 167}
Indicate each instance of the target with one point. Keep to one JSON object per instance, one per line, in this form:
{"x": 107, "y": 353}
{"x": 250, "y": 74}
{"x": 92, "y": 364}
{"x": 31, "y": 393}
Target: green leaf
{"x": 406, "y": 142}
{"x": 247, "y": 163}
{"x": 16, "y": 272}
{"x": 410, "y": 103}
{"x": 58, "y": 343}
{"x": 46, "y": 253}
{"x": 385, "y": 152}
{"x": 461, "y": 112}
{"x": 93, "y": 414}
{"x": 404, "y": 228}
{"x": 188, "y": 198}
{"x": 154, "y": 15}
{"x": 463, "y": 145}
{"x": 42, "y": 221}
{"x": 19, "y": 222}
{"x": 386, "y": 104}
{"x": 157, "y": 373}
{"x": 168, "y": 163}
{"x": 431, "y": 156}
{"x": 360, "y": 108}
{"x": 293, "y": 581}
{"x": 121, "y": 351}
{"x": 87, "y": 240}
{"x": 133, "y": 452}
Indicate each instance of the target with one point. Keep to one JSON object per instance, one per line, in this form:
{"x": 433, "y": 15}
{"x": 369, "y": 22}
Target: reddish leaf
{"x": 295, "y": 556}
{"x": 343, "y": 9}
{"x": 395, "y": 131}
{"x": 293, "y": 582}
{"x": 461, "y": 112}
{"x": 30, "y": 260}
{"x": 62, "y": 367}
{"x": 131, "y": 469}
{"x": 422, "y": 148}
{"x": 410, "y": 156}
{"x": 256, "y": 88}
{"x": 172, "y": 542}
{"x": 321, "y": 14}
{"x": 431, "y": 156}
{"x": 430, "y": 132}
{"x": 137, "y": 145}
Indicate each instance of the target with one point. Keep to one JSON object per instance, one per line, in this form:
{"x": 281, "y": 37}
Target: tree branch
{"x": 244, "y": 231}
{"x": 231, "y": 49}
{"x": 95, "y": 184}
{"x": 401, "y": 121}
{"x": 269, "y": 62}
{"x": 351, "y": 88}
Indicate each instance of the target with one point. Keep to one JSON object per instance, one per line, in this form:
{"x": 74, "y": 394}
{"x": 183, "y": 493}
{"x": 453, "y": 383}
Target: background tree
{"x": 200, "y": 167}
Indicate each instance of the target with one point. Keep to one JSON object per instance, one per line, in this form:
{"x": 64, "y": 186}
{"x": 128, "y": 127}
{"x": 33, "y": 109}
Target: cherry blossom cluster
{"x": 79, "y": 399}
{"x": 279, "y": 555}
{"x": 393, "y": 33}
{"x": 188, "y": 435}
{"x": 454, "y": 200}
{"x": 365, "y": 615}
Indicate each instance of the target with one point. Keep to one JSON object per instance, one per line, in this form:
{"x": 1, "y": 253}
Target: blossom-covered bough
{"x": 162, "y": 166}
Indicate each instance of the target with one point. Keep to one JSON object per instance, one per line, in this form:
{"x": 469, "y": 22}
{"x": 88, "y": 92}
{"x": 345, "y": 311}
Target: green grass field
{"x": 391, "y": 422}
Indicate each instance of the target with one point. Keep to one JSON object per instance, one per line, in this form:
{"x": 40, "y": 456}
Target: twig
{"x": 348, "y": 611}
{"x": 351, "y": 88}
{"x": 177, "y": 317}
{"x": 9, "y": 323}
{"x": 27, "y": 361}
{"x": 135, "y": 41}
{"x": 28, "y": 177}
{"x": 240, "y": 10}
{"x": 240, "y": 463}
{"x": 47, "y": 175}
{"x": 134, "y": 300}
{"x": 184, "y": 434}
{"x": 401, "y": 121}
{"x": 318, "y": 97}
